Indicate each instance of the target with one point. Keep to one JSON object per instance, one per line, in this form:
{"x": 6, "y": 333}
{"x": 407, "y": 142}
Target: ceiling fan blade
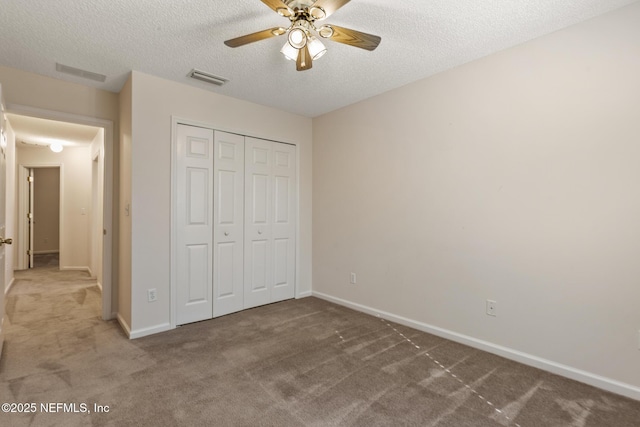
{"x": 328, "y": 6}
{"x": 354, "y": 38}
{"x": 304, "y": 61}
{"x": 255, "y": 37}
{"x": 279, "y": 7}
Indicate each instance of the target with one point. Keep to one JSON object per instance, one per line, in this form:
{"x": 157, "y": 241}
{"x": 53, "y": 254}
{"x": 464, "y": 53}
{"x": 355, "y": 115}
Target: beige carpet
{"x": 46, "y": 260}
{"x": 296, "y": 363}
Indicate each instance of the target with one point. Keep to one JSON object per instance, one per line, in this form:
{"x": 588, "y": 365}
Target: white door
{"x": 32, "y": 181}
{"x": 258, "y": 206}
{"x": 270, "y": 222}
{"x": 283, "y": 229}
{"x": 3, "y": 188}
{"x": 194, "y": 224}
{"x": 228, "y": 219}
{"x": 235, "y": 223}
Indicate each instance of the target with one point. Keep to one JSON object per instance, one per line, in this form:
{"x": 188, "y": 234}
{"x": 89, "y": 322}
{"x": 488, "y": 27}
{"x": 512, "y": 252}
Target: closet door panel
{"x": 228, "y": 218}
{"x": 284, "y": 221}
{"x": 258, "y": 218}
{"x": 194, "y": 228}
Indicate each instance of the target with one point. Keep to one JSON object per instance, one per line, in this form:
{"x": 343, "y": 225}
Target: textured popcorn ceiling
{"x": 169, "y": 38}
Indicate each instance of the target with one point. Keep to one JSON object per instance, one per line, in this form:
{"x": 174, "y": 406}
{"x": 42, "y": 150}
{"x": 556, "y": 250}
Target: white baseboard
{"x": 8, "y": 288}
{"x": 76, "y": 268}
{"x": 304, "y": 294}
{"x": 124, "y": 325}
{"x": 139, "y": 333}
{"x": 604, "y": 383}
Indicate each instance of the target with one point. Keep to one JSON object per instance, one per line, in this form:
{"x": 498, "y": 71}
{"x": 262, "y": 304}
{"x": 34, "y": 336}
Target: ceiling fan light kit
{"x": 302, "y": 45}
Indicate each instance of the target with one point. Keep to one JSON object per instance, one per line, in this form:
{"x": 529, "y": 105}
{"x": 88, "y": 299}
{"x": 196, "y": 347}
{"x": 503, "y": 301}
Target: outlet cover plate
{"x": 492, "y": 308}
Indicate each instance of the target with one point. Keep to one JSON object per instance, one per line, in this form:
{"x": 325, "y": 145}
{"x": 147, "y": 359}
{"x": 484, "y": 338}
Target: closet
{"x": 235, "y": 222}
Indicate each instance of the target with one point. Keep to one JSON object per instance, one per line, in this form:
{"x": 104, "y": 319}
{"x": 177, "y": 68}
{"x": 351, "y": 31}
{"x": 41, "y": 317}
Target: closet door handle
{"x": 226, "y": 233}
{"x": 259, "y": 231}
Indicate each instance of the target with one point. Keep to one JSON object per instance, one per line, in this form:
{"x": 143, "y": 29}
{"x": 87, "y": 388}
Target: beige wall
{"x": 512, "y": 178}
{"x": 155, "y": 101}
{"x": 97, "y": 205}
{"x": 75, "y": 174}
{"x": 33, "y": 90}
{"x": 124, "y": 244}
{"x": 46, "y": 210}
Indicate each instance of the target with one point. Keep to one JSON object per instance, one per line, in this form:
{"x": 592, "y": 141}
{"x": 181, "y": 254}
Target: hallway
{"x": 54, "y": 340}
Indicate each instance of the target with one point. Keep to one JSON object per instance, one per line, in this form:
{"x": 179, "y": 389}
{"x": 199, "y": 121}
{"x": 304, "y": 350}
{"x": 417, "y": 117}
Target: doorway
{"x": 58, "y": 212}
{"x": 86, "y": 194}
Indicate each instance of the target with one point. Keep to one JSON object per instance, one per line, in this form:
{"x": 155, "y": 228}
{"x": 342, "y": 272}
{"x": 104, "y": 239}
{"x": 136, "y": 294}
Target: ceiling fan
{"x": 302, "y": 45}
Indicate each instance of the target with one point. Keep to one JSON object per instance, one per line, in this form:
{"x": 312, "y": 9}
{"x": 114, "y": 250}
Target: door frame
{"x": 109, "y": 291}
{"x": 177, "y": 120}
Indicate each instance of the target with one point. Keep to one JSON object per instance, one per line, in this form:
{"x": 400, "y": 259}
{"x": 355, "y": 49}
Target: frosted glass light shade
{"x": 297, "y": 38}
{"x": 316, "y": 48}
{"x": 289, "y": 52}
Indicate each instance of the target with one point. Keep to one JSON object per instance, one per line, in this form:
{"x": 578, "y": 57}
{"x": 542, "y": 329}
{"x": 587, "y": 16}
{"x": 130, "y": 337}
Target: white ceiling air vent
{"x": 80, "y": 73}
{"x": 207, "y": 77}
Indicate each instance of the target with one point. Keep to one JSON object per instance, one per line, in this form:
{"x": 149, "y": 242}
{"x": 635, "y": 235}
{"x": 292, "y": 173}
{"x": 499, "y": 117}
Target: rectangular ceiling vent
{"x": 207, "y": 77}
{"x": 81, "y": 73}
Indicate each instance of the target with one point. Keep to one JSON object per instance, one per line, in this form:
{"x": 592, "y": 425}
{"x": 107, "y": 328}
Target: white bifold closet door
{"x": 228, "y": 219}
{"x": 235, "y": 223}
{"x": 194, "y": 182}
{"x": 270, "y": 228}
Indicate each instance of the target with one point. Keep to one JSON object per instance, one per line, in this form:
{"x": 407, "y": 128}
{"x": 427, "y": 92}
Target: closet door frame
{"x": 177, "y": 120}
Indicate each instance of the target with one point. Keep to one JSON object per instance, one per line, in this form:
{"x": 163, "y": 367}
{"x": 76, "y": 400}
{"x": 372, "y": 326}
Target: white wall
{"x": 513, "y": 178}
{"x": 155, "y": 101}
{"x": 75, "y": 175}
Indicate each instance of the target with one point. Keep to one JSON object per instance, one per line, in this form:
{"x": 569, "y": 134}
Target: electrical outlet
{"x": 152, "y": 295}
{"x": 492, "y": 308}
{"x": 353, "y": 278}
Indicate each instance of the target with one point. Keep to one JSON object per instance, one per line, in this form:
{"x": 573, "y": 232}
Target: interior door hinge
{"x": 30, "y": 178}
